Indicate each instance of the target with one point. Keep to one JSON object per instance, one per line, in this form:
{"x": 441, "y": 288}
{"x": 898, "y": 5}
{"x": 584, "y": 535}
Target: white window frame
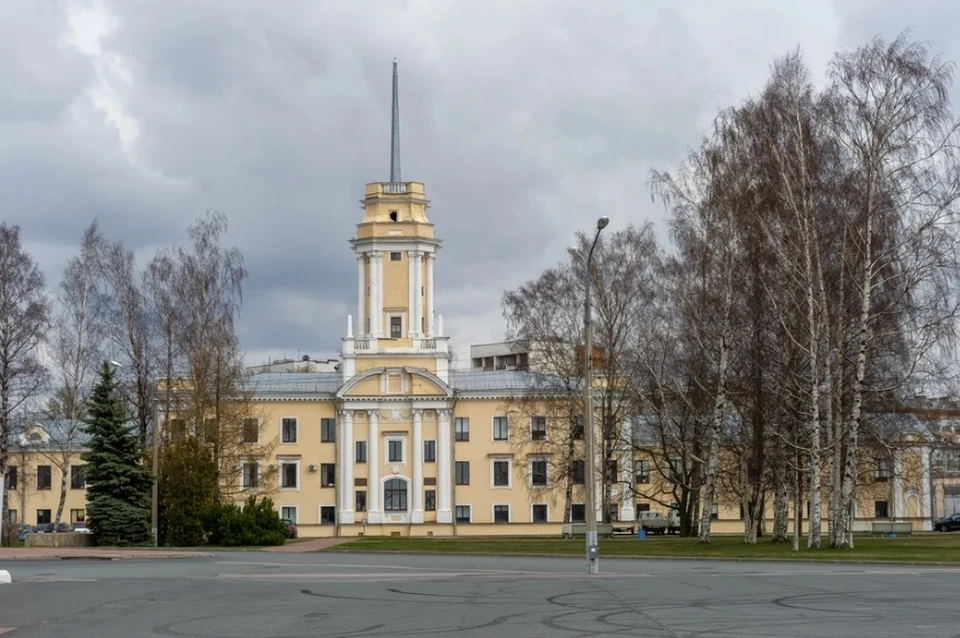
{"x": 532, "y": 517}
{"x": 493, "y": 428}
{"x": 493, "y": 513}
{"x": 296, "y": 422}
{"x": 493, "y": 461}
{"x": 546, "y": 427}
{"x": 320, "y": 513}
{"x": 281, "y": 461}
{"x": 530, "y": 463}
{"x": 402, "y": 438}
{"x": 296, "y": 513}
{"x": 243, "y": 475}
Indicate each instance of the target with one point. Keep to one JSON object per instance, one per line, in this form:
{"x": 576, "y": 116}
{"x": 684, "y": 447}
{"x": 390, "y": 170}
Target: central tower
{"x": 395, "y": 248}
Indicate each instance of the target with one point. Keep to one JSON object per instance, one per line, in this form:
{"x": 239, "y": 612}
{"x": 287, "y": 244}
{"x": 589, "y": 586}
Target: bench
{"x": 579, "y": 530}
{"x": 891, "y": 527}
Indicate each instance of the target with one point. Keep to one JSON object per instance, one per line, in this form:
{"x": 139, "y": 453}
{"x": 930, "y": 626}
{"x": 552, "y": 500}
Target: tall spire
{"x": 395, "y": 130}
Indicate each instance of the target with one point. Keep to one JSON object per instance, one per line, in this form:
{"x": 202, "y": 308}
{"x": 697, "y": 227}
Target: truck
{"x": 673, "y": 521}
{"x": 652, "y": 522}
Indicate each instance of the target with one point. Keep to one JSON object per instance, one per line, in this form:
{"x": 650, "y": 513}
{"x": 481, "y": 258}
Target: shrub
{"x": 254, "y": 524}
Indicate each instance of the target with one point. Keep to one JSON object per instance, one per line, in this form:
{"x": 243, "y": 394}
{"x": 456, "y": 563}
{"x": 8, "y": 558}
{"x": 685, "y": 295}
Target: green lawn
{"x": 942, "y": 548}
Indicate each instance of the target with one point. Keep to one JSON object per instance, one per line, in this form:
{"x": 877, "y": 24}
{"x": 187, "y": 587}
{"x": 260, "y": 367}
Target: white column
{"x": 417, "y": 298}
{"x": 376, "y": 311}
{"x": 361, "y": 296}
{"x": 417, "y": 516}
{"x": 346, "y": 468}
{"x": 444, "y": 463}
{"x": 926, "y": 497}
{"x": 898, "y": 484}
{"x": 429, "y": 293}
{"x": 373, "y": 467}
{"x": 411, "y": 296}
{"x": 627, "y": 498}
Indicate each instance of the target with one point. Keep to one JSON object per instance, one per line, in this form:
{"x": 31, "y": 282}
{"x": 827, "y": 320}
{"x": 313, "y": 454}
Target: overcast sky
{"x": 526, "y": 120}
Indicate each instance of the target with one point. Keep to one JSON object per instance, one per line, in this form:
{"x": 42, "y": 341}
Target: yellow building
{"x": 393, "y": 440}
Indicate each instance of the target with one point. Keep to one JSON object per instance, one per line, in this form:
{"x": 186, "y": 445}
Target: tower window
{"x": 394, "y": 215}
{"x": 396, "y": 327}
{"x": 396, "y": 256}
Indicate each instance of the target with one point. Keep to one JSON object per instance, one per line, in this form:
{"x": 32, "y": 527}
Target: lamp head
{"x": 602, "y": 222}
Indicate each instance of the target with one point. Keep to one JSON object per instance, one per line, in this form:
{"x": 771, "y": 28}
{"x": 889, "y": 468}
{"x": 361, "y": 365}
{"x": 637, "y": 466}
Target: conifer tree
{"x": 118, "y": 485}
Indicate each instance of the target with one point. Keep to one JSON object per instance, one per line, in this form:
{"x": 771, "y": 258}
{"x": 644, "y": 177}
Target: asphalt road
{"x": 255, "y": 594}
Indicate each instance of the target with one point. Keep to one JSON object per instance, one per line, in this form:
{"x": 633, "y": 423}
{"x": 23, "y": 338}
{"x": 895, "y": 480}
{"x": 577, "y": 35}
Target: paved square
{"x": 260, "y": 594}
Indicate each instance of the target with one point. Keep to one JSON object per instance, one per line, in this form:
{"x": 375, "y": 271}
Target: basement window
{"x": 394, "y": 216}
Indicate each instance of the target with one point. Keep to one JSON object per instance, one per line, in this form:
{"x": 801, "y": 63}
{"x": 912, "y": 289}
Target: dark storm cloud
{"x": 526, "y": 121}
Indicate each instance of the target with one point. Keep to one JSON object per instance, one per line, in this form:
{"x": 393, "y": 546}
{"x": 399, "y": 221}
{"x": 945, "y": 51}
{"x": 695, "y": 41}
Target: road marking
{"x": 4, "y": 630}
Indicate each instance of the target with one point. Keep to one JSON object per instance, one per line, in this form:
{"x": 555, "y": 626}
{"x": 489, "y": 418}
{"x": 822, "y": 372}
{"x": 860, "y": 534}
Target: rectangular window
{"x": 11, "y": 482}
{"x": 361, "y": 499}
{"x": 396, "y": 327}
{"x": 43, "y": 517}
{"x": 288, "y": 429}
{"x": 538, "y": 428}
{"x": 289, "y": 475}
{"x": 210, "y": 430}
{"x": 251, "y": 474}
{"x": 461, "y": 429}
{"x": 328, "y": 515}
{"x": 501, "y": 428}
{"x": 880, "y": 509}
{"x": 76, "y": 477}
{"x": 396, "y": 256}
{"x": 328, "y": 430}
{"x": 881, "y": 469}
{"x": 12, "y": 517}
{"x": 429, "y": 451}
{"x": 501, "y": 513}
{"x": 643, "y": 507}
{"x": 395, "y": 451}
{"x": 430, "y": 500}
{"x": 360, "y": 451}
{"x": 578, "y": 472}
{"x": 78, "y": 516}
{"x": 538, "y": 473}
{"x": 44, "y": 477}
{"x": 539, "y": 512}
{"x": 289, "y": 513}
{"x": 462, "y": 513}
{"x": 641, "y": 472}
{"x": 178, "y": 429}
{"x": 576, "y": 428}
{"x": 501, "y": 473}
{"x": 251, "y": 430}
{"x": 462, "y": 472}
{"x": 578, "y": 513}
{"x": 328, "y": 474}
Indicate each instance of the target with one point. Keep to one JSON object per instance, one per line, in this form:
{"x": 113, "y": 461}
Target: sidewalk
{"x": 91, "y": 553}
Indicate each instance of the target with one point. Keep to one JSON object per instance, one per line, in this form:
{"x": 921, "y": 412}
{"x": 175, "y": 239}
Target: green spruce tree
{"x": 118, "y": 485}
{"x": 188, "y": 489}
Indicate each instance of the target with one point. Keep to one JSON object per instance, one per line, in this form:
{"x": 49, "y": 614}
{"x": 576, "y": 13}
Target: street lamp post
{"x": 589, "y": 439}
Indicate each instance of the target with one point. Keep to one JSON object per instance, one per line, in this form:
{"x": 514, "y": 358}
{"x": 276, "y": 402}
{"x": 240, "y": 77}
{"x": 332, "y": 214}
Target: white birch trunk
{"x": 813, "y": 330}
{"x": 710, "y": 475}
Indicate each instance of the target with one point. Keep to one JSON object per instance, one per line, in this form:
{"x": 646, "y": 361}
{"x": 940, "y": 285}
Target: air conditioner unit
{"x": 312, "y": 468}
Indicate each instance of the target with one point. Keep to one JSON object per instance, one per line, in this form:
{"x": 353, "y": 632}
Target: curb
{"x": 104, "y": 556}
{"x": 808, "y": 561}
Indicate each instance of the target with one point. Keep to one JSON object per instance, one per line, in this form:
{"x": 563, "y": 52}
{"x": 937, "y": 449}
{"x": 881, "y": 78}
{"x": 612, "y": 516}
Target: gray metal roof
{"x": 503, "y": 381}
{"x": 267, "y": 383}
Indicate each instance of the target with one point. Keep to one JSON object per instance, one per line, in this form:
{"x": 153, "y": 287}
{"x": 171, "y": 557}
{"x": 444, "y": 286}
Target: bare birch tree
{"x": 24, "y": 319}
{"x": 75, "y": 357}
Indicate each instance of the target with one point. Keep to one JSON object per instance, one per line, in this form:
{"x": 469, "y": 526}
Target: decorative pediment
{"x": 386, "y": 381}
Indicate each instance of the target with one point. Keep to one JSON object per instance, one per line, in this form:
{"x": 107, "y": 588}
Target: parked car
{"x": 79, "y": 528}
{"x": 949, "y": 523}
{"x": 23, "y": 530}
{"x": 291, "y": 528}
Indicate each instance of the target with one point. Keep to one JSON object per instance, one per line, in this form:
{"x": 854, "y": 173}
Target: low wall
{"x": 59, "y": 539}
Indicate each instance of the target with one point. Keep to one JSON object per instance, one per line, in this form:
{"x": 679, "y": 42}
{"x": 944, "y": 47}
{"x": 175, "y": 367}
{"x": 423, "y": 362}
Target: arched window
{"x": 395, "y": 495}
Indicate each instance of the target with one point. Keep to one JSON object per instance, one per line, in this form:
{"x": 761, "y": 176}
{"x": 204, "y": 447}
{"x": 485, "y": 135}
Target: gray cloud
{"x": 526, "y": 120}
